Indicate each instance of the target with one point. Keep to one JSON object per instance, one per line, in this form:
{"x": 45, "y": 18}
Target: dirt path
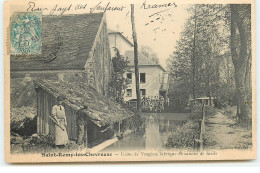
{"x": 221, "y": 132}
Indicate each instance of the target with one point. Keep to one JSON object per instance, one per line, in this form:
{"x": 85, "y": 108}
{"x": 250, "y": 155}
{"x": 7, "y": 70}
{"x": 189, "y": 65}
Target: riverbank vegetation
{"x": 184, "y": 136}
{"x": 213, "y": 59}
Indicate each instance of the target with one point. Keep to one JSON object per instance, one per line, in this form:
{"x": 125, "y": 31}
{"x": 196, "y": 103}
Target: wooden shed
{"x": 102, "y": 113}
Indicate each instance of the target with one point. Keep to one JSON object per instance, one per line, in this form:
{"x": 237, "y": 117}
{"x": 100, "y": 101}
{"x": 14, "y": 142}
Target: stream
{"x": 158, "y": 126}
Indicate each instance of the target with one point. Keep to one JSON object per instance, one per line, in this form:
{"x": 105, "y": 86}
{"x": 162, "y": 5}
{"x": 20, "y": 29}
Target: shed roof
{"x": 101, "y": 110}
{"x": 68, "y": 38}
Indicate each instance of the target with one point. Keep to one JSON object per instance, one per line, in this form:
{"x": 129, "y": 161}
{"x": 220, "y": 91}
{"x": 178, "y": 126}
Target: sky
{"x": 160, "y": 31}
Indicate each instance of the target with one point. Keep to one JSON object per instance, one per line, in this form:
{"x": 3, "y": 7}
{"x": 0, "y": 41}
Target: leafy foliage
{"x": 183, "y": 137}
{"x": 197, "y": 111}
{"x": 23, "y": 121}
{"x": 201, "y": 64}
{"x": 38, "y": 144}
{"x": 22, "y": 93}
{"x": 25, "y": 127}
{"x": 230, "y": 111}
{"x": 118, "y": 82}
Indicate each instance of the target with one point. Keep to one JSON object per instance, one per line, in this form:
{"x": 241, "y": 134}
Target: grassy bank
{"x": 183, "y": 137}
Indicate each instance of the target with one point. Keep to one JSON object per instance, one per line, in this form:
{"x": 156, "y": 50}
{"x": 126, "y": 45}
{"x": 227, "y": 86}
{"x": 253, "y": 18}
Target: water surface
{"x": 158, "y": 126}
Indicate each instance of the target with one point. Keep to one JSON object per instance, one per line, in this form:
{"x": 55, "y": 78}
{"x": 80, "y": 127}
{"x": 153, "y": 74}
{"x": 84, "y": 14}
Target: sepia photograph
{"x": 100, "y": 81}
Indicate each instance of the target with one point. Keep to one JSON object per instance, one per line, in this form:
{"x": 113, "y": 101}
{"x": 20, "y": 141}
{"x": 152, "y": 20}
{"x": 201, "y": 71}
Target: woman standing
{"x": 58, "y": 112}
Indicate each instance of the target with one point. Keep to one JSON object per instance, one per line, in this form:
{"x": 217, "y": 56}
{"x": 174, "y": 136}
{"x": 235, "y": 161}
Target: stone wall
{"x": 98, "y": 67}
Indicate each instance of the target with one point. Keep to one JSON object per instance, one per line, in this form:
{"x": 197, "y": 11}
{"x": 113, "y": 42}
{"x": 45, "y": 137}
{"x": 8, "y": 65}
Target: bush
{"x": 184, "y": 136}
{"x": 210, "y": 111}
{"x": 23, "y": 121}
{"x": 221, "y": 102}
{"x": 22, "y": 93}
{"x": 230, "y": 111}
{"x": 196, "y": 112}
{"x": 135, "y": 123}
{"x": 24, "y": 127}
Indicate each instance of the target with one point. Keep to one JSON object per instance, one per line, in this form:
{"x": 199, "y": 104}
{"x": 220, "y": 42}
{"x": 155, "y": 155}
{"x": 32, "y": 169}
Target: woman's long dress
{"x": 61, "y": 137}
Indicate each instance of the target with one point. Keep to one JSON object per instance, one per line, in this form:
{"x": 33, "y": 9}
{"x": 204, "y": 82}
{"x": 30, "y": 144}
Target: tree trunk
{"x": 239, "y": 57}
{"x": 136, "y": 61}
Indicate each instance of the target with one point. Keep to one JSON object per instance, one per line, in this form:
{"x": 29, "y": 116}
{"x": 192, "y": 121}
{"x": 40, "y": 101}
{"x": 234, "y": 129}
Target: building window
{"x": 129, "y": 76}
{"x": 142, "y": 77}
{"x": 129, "y": 92}
{"x": 143, "y": 92}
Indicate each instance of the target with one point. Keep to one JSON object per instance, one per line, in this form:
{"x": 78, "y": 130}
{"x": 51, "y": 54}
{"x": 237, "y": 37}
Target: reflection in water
{"x": 152, "y": 133}
{"x": 158, "y": 126}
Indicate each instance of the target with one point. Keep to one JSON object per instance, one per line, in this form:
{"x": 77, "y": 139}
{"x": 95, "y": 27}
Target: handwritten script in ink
{"x": 146, "y": 6}
{"x": 59, "y": 9}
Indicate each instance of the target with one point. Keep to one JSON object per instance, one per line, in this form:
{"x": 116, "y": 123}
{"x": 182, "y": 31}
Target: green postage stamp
{"x": 26, "y": 33}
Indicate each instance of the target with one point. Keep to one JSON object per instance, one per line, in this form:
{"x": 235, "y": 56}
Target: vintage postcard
{"x": 121, "y": 81}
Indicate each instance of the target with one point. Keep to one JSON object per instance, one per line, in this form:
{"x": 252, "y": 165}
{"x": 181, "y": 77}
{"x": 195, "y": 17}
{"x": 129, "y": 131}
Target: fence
{"x": 149, "y": 104}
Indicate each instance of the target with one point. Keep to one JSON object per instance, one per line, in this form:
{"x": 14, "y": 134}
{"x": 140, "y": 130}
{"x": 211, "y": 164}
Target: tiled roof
{"x": 69, "y": 38}
{"x": 142, "y": 60}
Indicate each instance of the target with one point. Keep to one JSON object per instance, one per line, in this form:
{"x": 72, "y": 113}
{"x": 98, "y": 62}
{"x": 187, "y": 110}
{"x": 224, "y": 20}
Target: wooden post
{"x": 136, "y": 62}
{"x": 86, "y": 133}
{"x": 198, "y": 143}
{"x": 201, "y": 136}
{"x": 202, "y": 127}
{"x": 203, "y": 110}
{"x": 119, "y": 127}
{"x": 38, "y": 118}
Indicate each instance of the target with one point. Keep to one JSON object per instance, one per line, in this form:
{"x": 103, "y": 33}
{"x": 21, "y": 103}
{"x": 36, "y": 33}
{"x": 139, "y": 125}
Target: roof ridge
{"x": 141, "y": 57}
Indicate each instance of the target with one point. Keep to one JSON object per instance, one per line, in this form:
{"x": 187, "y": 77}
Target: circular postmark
{"x": 25, "y": 33}
{"x": 53, "y": 43}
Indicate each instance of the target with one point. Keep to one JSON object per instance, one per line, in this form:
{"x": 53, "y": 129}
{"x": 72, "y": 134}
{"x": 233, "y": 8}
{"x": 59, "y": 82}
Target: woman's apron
{"x": 61, "y": 137}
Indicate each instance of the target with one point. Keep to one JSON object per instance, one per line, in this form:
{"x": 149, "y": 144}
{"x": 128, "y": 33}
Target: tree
{"x": 200, "y": 55}
{"x": 213, "y": 56}
{"x": 149, "y": 53}
{"x": 118, "y": 82}
{"x": 240, "y": 31}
